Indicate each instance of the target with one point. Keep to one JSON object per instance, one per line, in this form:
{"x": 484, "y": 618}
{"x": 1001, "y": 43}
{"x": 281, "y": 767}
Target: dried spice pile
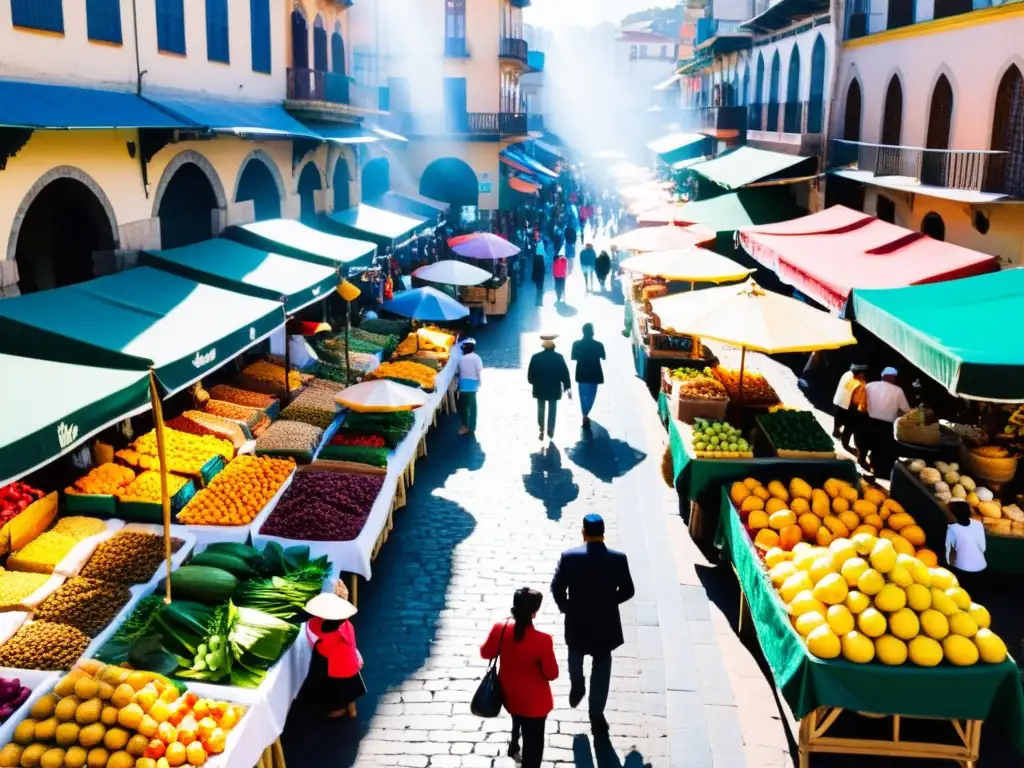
{"x": 86, "y": 604}
{"x": 129, "y": 557}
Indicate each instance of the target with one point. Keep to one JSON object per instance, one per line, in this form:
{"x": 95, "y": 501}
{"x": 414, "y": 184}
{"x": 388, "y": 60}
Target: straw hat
{"x": 330, "y": 607}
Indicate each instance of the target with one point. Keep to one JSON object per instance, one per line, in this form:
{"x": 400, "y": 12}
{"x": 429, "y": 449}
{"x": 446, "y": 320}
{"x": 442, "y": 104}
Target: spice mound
{"x": 86, "y": 604}
{"x": 43, "y": 645}
{"x": 130, "y": 557}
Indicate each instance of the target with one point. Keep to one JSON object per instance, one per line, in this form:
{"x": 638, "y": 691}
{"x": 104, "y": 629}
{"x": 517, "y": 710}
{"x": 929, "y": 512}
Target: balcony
{"x": 971, "y": 170}
{"x": 484, "y": 126}
{"x": 535, "y": 123}
{"x": 327, "y": 95}
{"x": 456, "y": 48}
{"x": 513, "y": 48}
{"x": 708, "y": 29}
{"x": 794, "y": 125}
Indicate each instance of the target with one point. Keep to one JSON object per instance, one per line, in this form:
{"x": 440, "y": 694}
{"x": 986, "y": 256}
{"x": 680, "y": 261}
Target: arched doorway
{"x": 1006, "y": 172}
{"x": 773, "y": 94}
{"x": 257, "y": 184}
{"x": 64, "y": 225}
{"x": 757, "y": 99}
{"x": 375, "y": 178}
{"x": 934, "y": 165}
{"x": 300, "y": 55}
{"x": 339, "y": 183}
{"x": 933, "y": 226}
{"x": 816, "y": 98}
{"x": 452, "y": 181}
{"x": 792, "y": 118}
{"x": 186, "y": 208}
{"x": 319, "y": 45}
{"x": 745, "y": 93}
{"x": 309, "y": 185}
{"x": 337, "y": 86}
{"x": 851, "y": 118}
{"x": 888, "y": 163}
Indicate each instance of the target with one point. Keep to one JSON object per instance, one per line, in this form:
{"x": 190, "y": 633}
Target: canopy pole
{"x": 693, "y": 285}
{"x": 165, "y": 500}
{"x": 348, "y": 360}
{"x": 287, "y": 368}
{"x": 743, "y": 360}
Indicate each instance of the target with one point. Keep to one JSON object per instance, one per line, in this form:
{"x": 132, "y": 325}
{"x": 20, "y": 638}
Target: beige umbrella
{"x": 696, "y": 265}
{"x": 665, "y": 238}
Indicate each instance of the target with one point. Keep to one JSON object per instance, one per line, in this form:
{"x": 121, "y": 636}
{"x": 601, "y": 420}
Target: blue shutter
{"x": 170, "y": 26}
{"x": 259, "y": 30}
{"x": 217, "y": 45}
{"x": 103, "y": 20}
{"x": 47, "y": 15}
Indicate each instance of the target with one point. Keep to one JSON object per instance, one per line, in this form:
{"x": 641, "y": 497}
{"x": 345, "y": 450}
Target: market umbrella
{"x": 381, "y": 396}
{"x": 697, "y": 265}
{"x": 453, "y": 241}
{"x": 749, "y": 317}
{"x": 666, "y": 213}
{"x": 664, "y": 238}
{"x": 486, "y": 247}
{"x": 451, "y": 272}
{"x": 426, "y": 304}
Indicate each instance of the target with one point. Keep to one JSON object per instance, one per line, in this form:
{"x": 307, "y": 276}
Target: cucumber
{"x": 203, "y": 583}
{"x": 230, "y": 563}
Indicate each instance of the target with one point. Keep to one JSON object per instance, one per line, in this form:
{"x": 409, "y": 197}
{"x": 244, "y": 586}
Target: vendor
{"x": 334, "y": 681}
{"x": 965, "y": 542}
{"x": 846, "y": 412}
{"x": 886, "y": 402}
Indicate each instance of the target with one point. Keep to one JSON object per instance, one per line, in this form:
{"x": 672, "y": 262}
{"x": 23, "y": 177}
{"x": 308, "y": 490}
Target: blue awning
{"x": 236, "y": 118}
{"x": 341, "y": 133}
{"x": 64, "y": 107}
{"x": 529, "y": 162}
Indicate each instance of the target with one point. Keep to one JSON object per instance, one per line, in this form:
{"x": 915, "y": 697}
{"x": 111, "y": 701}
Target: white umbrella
{"x": 451, "y": 272}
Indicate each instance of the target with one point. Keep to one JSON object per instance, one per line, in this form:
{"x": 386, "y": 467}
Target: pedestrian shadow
{"x": 603, "y": 754}
{"x": 603, "y": 456}
{"x": 566, "y": 310}
{"x": 550, "y": 483}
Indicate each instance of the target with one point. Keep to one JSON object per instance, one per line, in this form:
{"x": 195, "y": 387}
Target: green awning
{"x": 291, "y": 237}
{"x": 66, "y": 406}
{"x": 136, "y": 319}
{"x": 736, "y": 210}
{"x": 745, "y": 165}
{"x": 254, "y": 272}
{"x": 673, "y": 142}
{"x": 365, "y": 222}
{"x": 958, "y": 332}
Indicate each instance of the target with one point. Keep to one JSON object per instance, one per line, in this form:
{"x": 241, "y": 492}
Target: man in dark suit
{"x": 590, "y": 583}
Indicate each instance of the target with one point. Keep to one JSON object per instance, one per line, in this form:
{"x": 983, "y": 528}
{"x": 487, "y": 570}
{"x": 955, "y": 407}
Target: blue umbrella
{"x": 426, "y": 304}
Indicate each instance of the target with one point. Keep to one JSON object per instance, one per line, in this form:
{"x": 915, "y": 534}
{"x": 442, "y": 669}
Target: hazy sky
{"x": 563, "y": 13}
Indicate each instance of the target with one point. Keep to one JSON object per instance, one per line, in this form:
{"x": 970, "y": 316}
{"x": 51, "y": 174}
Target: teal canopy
{"x": 745, "y": 208}
{"x": 745, "y": 165}
{"x": 255, "y": 272}
{"x": 961, "y": 332}
{"x": 291, "y": 237}
{"x": 368, "y": 223}
{"x": 67, "y": 405}
{"x": 135, "y": 320}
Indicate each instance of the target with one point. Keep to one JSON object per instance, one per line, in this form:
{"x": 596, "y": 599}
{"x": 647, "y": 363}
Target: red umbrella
{"x": 462, "y": 239}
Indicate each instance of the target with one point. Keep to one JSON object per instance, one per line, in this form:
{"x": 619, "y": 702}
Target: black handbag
{"x": 489, "y": 697}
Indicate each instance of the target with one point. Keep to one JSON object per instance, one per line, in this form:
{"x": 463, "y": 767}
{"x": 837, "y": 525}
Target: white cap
{"x": 890, "y": 371}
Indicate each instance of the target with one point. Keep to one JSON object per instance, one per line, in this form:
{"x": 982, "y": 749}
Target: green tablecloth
{"x": 983, "y": 692}
{"x": 628, "y": 319}
{"x": 663, "y": 408}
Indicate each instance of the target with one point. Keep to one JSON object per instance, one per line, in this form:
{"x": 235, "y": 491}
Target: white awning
{"x": 664, "y": 86}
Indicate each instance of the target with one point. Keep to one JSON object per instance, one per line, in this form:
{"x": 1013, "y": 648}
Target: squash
{"x": 203, "y": 583}
{"x": 236, "y": 566}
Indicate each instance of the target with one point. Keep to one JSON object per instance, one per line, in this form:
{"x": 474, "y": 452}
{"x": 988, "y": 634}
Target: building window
{"x": 45, "y": 15}
{"x": 885, "y": 209}
{"x": 103, "y": 20}
{"x": 664, "y": 51}
{"x": 851, "y": 120}
{"x": 1005, "y": 173}
{"x": 945, "y": 8}
{"x": 170, "y": 26}
{"x": 455, "y": 18}
{"x": 901, "y": 13}
{"x": 634, "y": 51}
{"x": 892, "y": 116}
{"x": 259, "y": 32}
{"x": 217, "y": 45}
{"x": 933, "y": 226}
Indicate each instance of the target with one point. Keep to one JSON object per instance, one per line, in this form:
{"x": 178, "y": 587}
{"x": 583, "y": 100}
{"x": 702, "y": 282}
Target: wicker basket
{"x": 994, "y": 470}
{"x": 912, "y": 433}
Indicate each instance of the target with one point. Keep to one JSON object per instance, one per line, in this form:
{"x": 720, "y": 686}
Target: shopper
{"x": 471, "y": 366}
{"x": 588, "y": 353}
{"x": 886, "y": 402}
{"x": 965, "y": 543}
{"x": 570, "y": 239}
{"x": 590, "y": 584}
{"x": 549, "y": 376}
{"x": 602, "y": 267}
{"x": 526, "y": 667}
{"x": 588, "y": 259}
{"x": 846, "y": 412}
{"x": 334, "y": 681}
{"x": 560, "y": 270}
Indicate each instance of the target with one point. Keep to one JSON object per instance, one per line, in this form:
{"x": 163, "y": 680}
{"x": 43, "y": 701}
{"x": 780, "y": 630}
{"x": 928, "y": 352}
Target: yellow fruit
{"x": 115, "y": 739}
{"x": 75, "y": 757}
{"x": 123, "y": 696}
{"x": 804, "y": 557}
{"x": 863, "y": 508}
{"x": 835, "y": 525}
{"x": 66, "y": 708}
{"x": 899, "y": 520}
{"x": 875, "y": 495}
{"x": 66, "y": 686}
{"x": 766, "y": 539}
{"x": 781, "y": 518}
{"x": 875, "y": 521}
{"x": 46, "y": 729}
{"x": 960, "y": 651}
{"x": 98, "y": 758}
{"x": 137, "y": 745}
{"x": 106, "y": 691}
{"x": 800, "y": 506}
{"x": 961, "y": 623}
{"x": 761, "y": 492}
{"x": 824, "y": 537}
{"x": 870, "y": 582}
{"x": 778, "y": 574}
{"x": 167, "y": 733}
{"x": 108, "y": 716}
{"x": 849, "y": 493}
{"x": 864, "y": 528}
{"x": 959, "y": 597}
{"x": 775, "y": 556}
{"x": 900, "y": 576}
{"x": 809, "y": 525}
{"x": 799, "y": 489}
{"x": 10, "y": 756}
{"x": 757, "y": 520}
{"x": 840, "y": 505}
{"x": 850, "y": 520}
{"x": 44, "y": 707}
{"x": 824, "y": 643}
{"x": 821, "y": 508}
{"x": 942, "y": 603}
{"x": 871, "y": 622}
{"x": 794, "y": 585}
{"x": 176, "y": 753}
{"x": 887, "y": 534}
{"x": 841, "y": 551}
{"x": 778, "y": 490}
{"x": 853, "y": 569}
{"x": 820, "y": 568}
{"x": 148, "y": 726}
{"x": 991, "y": 647}
{"x": 890, "y": 650}
{"x": 25, "y": 732}
{"x": 914, "y": 534}
{"x": 52, "y": 758}
{"x": 67, "y": 734}
{"x": 91, "y": 735}
{"x": 904, "y": 624}
{"x": 928, "y": 558}
{"x": 145, "y": 762}
{"x": 840, "y": 619}
{"x": 87, "y": 688}
{"x": 195, "y": 754}
{"x": 942, "y": 578}
{"x": 857, "y": 602}
{"x": 883, "y": 556}
{"x": 857, "y": 648}
{"x": 806, "y": 622}
{"x": 130, "y": 717}
{"x": 919, "y": 597}
{"x": 980, "y": 615}
{"x": 738, "y": 492}
{"x": 88, "y": 712}
{"x": 32, "y": 755}
{"x": 831, "y": 590}
{"x": 774, "y": 505}
{"x": 934, "y": 624}
{"x": 751, "y": 483}
{"x": 902, "y": 546}
{"x": 925, "y": 652}
{"x": 121, "y": 759}
{"x": 805, "y": 603}
{"x": 863, "y": 543}
{"x": 790, "y": 536}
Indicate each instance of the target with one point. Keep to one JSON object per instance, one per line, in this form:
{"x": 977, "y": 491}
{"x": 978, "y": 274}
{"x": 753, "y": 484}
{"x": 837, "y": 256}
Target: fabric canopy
{"x": 382, "y": 227}
{"x": 826, "y": 255}
{"x": 136, "y": 319}
{"x": 524, "y": 186}
{"x": 291, "y": 237}
{"x": 409, "y": 205}
{"x": 255, "y": 272}
{"x": 533, "y": 166}
{"x": 961, "y": 332}
{"x": 451, "y": 272}
{"x": 235, "y": 118}
{"x": 697, "y": 265}
{"x": 343, "y": 133}
{"x": 426, "y": 304}
{"x": 68, "y": 405}
{"x": 39, "y": 105}
{"x": 727, "y": 213}
{"x": 662, "y": 238}
{"x": 745, "y": 165}
{"x": 674, "y": 141}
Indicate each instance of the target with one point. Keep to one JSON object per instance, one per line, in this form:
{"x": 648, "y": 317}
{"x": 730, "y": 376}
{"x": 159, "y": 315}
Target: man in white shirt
{"x": 965, "y": 540}
{"x": 470, "y": 372}
{"x": 842, "y": 400}
{"x": 886, "y": 403}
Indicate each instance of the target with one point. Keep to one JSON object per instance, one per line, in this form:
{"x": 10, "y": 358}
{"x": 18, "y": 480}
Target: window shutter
{"x": 218, "y": 47}
{"x": 47, "y": 15}
{"x": 259, "y": 30}
{"x": 103, "y": 20}
{"x": 170, "y": 26}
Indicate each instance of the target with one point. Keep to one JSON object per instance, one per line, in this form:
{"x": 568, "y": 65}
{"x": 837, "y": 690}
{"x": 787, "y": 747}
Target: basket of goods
{"x": 96, "y": 492}
{"x": 189, "y": 455}
{"x": 371, "y": 450}
{"x": 293, "y": 439}
{"x": 267, "y": 378}
{"x": 407, "y": 372}
{"x": 756, "y": 389}
{"x": 239, "y": 493}
{"x": 992, "y": 463}
{"x": 918, "y": 427}
{"x": 699, "y": 398}
{"x": 719, "y": 440}
{"x": 228, "y": 394}
{"x": 251, "y": 420}
{"x": 796, "y": 435}
{"x": 946, "y": 483}
{"x": 970, "y": 434}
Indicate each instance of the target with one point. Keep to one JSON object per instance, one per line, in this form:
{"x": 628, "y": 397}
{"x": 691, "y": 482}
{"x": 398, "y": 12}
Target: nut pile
{"x": 43, "y": 645}
{"x": 15, "y": 587}
{"x": 87, "y": 604}
{"x": 238, "y": 396}
{"x": 130, "y": 557}
{"x": 79, "y": 528}
{"x": 316, "y": 405}
{"x": 289, "y": 437}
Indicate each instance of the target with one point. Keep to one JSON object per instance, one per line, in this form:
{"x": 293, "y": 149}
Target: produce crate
{"x": 687, "y": 409}
{"x": 102, "y": 505}
{"x": 474, "y": 294}
{"x": 784, "y": 453}
{"x": 153, "y": 512}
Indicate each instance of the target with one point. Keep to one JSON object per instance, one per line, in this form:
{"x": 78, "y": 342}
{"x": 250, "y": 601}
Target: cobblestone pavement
{"x": 487, "y": 517}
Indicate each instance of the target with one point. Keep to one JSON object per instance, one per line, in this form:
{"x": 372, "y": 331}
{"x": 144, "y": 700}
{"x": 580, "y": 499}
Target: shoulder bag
{"x": 489, "y": 697}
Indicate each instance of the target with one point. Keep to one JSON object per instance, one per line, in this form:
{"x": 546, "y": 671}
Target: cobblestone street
{"x": 487, "y": 517}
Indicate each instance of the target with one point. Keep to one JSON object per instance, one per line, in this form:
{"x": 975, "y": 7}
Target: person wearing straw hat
{"x": 549, "y": 376}
{"x": 334, "y": 681}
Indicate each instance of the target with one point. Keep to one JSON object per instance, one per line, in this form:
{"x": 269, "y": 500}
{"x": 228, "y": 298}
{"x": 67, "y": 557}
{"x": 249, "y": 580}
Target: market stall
{"x": 290, "y": 237}
{"x": 365, "y": 222}
{"x": 407, "y": 204}
{"x": 494, "y": 298}
{"x": 745, "y": 165}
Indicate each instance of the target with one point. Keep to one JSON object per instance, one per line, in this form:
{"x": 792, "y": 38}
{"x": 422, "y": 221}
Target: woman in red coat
{"x": 334, "y": 681}
{"x": 526, "y": 667}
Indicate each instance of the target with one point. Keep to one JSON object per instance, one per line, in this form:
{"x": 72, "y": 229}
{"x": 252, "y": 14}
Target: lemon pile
{"x": 861, "y": 599}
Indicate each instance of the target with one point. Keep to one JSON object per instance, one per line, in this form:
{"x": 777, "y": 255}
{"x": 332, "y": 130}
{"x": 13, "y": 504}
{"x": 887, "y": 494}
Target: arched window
{"x": 337, "y": 90}
{"x": 792, "y": 118}
{"x": 1006, "y": 172}
{"x": 816, "y": 99}
{"x": 319, "y": 45}
{"x": 758, "y": 97}
{"x": 851, "y": 120}
{"x": 890, "y": 158}
{"x": 745, "y": 93}
{"x": 299, "y": 78}
{"x": 933, "y": 226}
{"x": 935, "y": 167}
{"x": 773, "y": 94}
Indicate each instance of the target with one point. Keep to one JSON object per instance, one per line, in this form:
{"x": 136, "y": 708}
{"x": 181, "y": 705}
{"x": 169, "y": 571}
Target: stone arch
{"x": 310, "y": 182}
{"x": 180, "y": 159}
{"x": 452, "y": 181}
{"x": 853, "y": 109}
{"x": 261, "y": 155}
{"x": 375, "y": 178}
{"x": 259, "y": 180}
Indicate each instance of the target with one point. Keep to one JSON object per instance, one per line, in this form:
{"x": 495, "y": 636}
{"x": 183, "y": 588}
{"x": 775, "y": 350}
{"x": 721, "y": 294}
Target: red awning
{"x": 828, "y": 254}
{"x": 514, "y": 165}
{"x": 524, "y": 186}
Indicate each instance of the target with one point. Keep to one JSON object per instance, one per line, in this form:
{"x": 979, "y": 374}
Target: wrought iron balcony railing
{"x": 513, "y": 48}
{"x": 464, "y": 124}
{"x": 977, "y": 170}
